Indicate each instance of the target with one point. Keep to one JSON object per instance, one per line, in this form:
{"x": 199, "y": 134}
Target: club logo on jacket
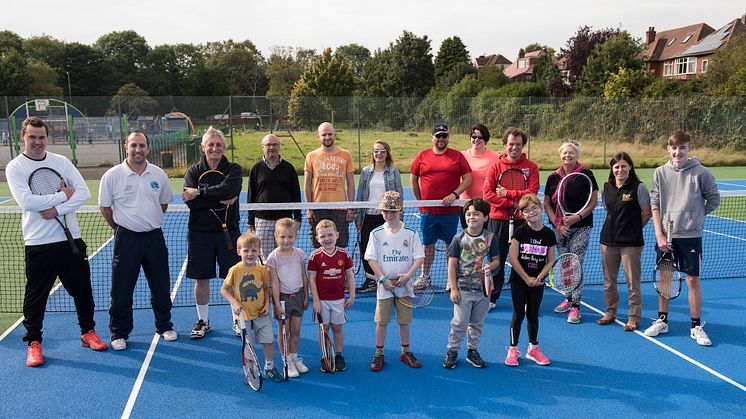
{"x": 154, "y": 185}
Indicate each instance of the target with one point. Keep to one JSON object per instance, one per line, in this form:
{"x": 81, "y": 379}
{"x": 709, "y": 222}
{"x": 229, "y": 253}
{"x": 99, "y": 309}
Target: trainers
{"x": 658, "y": 327}
{"x": 377, "y": 363}
{"x": 698, "y": 333}
{"x": 422, "y": 281}
{"x": 535, "y": 355}
{"x": 169, "y": 335}
{"x": 273, "y": 375}
{"x": 562, "y": 307}
{"x": 34, "y": 358}
{"x": 200, "y": 329}
{"x": 300, "y": 366}
{"x": 409, "y": 359}
{"x": 91, "y": 340}
{"x": 236, "y": 327}
{"x": 119, "y": 344}
{"x": 367, "y": 286}
{"x": 339, "y": 363}
{"x": 292, "y": 370}
{"x": 492, "y": 305}
{"x": 512, "y": 359}
{"x": 574, "y": 315}
{"x": 472, "y": 357}
{"x": 450, "y": 359}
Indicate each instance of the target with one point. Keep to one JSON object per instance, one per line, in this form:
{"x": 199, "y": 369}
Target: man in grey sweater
{"x": 683, "y": 192}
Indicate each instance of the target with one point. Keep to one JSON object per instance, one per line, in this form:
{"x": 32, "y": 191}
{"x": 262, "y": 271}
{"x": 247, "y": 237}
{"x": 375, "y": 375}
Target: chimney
{"x": 650, "y": 35}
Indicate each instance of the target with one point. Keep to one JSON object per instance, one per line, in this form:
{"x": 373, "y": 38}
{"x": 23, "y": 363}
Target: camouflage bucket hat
{"x": 391, "y": 201}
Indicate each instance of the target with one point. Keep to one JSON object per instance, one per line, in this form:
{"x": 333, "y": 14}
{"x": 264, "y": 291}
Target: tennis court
{"x": 595, "y": 371}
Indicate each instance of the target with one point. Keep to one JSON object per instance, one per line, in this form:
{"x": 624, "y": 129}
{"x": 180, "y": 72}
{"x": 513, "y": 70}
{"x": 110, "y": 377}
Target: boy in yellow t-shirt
{"x": 246, "y": 287}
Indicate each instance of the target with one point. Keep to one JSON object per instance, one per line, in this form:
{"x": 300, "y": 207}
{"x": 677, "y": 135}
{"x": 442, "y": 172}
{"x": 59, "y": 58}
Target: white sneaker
{"x": 492, "y": 305}
{"x": 121, "y": 344}
{"x": 300, "y": 366}
{"x": 169, "y": 335}
{"x": 658, "y": 327}
{"x": 292, "y": 369}
{"x": 697, "y": 333}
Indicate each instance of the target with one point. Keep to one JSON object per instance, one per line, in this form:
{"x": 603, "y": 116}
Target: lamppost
{"x": 69, "y": 89}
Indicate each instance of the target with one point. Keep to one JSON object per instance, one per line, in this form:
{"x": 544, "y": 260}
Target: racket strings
{"x": 44, "y": 182}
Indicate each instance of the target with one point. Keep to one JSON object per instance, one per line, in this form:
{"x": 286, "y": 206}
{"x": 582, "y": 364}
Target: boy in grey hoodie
{"x": 683, "y": 192}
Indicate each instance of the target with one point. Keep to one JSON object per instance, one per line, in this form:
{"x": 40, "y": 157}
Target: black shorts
{"x": 208, "y": 248}
{"x": 688, "y": 252}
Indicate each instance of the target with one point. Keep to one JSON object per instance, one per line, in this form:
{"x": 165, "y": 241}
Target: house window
{"x": 686, "y": 65}
{"x": 668, "y": 68}
{"x": 686, "y": 39}
{"x": 671, "y": 42}
{"x": 704, "y": 66}
{"x": 522, "y": 63}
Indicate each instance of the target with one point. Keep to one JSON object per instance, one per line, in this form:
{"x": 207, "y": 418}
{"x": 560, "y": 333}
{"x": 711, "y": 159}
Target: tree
{"x": 626, "y": 83}
{"x": 579, "y": 47}
{"x": 13, "y": 72}
{"x": 87, "y": 69}
{"x": 43, "y": 79}
{"x": 491, "y": 77}
{"x": 538, "y": 47}
{"x": 284, "y": 67}
{"x": 126, "y": 53}
{"x": 405, "y": 68}
{"x": 660, "y": 88}
{"x": 725, "y": 73}
{"x": 356, "y": 55}
{"x": 236, "y": 68}
{"x": 619, "y": 51}
{"x": 130, "y": 98}
{"x": 45, "y": 49}
{"x": 452, "y": 62}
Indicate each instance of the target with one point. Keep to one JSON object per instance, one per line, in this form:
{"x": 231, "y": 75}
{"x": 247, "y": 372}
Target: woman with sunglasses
{"x": 375, "y": 179}
{"x": 480, "y": 159}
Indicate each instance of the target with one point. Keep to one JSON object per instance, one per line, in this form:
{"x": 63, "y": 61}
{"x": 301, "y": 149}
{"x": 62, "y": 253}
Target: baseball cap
{"x": 440, "y": 129}
{"x": 391, "y": 201}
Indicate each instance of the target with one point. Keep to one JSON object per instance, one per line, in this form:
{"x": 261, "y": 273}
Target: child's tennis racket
{"x": 251, "y": 368}
{"x": 285, "y": 348}
{"x": 214, "y": 178}
{"x": 423, "y": 296}
{"x": 574, "y": 194}
{"x": 566, "y": 274}
{"x": 47, "y": 181}
{"x": 666, "y": 276}
{"x": 512, "y": 180}
{"x": 327, "y": 350}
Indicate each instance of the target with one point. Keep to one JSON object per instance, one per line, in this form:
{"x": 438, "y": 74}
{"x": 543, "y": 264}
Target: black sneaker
{"x": 450, "y": 360}
{"x": 323, "y": 366}
{"x": 200, "y": 329}
{"x": 472, "y": 357}
{"x": 367, "y": 286}
{"x": 339, "y": 362}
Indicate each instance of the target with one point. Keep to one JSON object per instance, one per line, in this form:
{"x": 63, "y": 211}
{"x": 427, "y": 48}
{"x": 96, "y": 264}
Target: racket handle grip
{"x": 228, "y": 242}
{"x": 510, "y": 231}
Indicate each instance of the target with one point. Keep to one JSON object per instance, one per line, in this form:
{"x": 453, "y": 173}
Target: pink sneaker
{"x": 512, "y": 359}
{"x": 573, "y": 316}
{"x": 536, "y": 356}
{"x": 562, "y": 307}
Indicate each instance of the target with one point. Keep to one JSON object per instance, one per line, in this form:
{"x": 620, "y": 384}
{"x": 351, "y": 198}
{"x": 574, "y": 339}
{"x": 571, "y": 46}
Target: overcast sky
{"x": 484, "y": 26}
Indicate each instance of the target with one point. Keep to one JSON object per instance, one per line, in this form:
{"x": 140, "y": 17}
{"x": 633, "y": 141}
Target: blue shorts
{"x": 207, "y": 248}
{"x": 688, "y": 253}
{"x": 438, "y": 226}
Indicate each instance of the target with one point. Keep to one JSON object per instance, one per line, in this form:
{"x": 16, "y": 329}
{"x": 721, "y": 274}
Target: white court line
{"x": 720, "y": 182}
{"x": 149, "y": 356}
{"x": 54, "y": 289}
{"x": 725, "y": 235}
{"x": 672, "y": 350}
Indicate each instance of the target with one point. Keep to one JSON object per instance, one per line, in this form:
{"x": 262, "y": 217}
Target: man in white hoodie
{"x": 683, "y": 192}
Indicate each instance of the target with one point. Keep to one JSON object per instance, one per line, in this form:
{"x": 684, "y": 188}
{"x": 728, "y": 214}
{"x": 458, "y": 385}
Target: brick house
{"x": 685, "y": 53}
{"x": 522, "y": 69}
{"x": 495, "y": 60}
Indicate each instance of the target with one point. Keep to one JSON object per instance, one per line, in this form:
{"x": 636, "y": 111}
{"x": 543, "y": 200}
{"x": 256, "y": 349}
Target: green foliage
{"x": 519, "y": 90}
{"x": 725, "y": 72}
{"x": 88, "y": 70}
{"x": 547, "y": 75}
{"x": 14, "y": 78}
{"x": 538, "y": 47}
{"x": 452, "y": 62}
{"x": 46, "y": 50}
{"x": 43, "y": 79}
{"x": 626, "y": 83}
{"x": 404, "y": 69}
{"x": 579, "y": 47}
{"x": 619, "y": 51}
{"x": 660, "y": 88}
{"x": 491, "y": 77}
{"x": 356, "y": 55}
{"x": 469, "y": 86}
{"x": 130, "y": 99}
{"x": 126, "y": 54}
{"x": 236, "y": 68}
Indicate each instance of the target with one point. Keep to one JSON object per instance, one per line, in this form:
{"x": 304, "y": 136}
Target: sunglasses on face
{"x": 477, "y": 137}
{"x": 441, "y": 136}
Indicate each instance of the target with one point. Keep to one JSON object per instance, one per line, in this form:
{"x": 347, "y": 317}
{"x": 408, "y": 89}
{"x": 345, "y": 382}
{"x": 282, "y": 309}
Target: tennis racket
{"x": 566, "y": 274}
{"x": 214, "y": 178}
{"x": 251, "y": 368}
{"x": 285, "y": 348}
{"x": 512, "y": 180}
{"x": 574, "y": 194}
{"x": 47, "y": 181}
{"x": 422, "y": 296}
{"x": 666, "y": 276}
{"x": 327, "y": 350}
{"x": 487, "y": 282}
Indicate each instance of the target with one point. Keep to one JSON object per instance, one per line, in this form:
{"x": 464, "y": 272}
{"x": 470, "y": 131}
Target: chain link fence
{"x": 91, "y": 130}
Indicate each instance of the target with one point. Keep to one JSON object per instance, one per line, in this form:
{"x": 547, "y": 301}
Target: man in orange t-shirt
{"x": 329, "y": 177}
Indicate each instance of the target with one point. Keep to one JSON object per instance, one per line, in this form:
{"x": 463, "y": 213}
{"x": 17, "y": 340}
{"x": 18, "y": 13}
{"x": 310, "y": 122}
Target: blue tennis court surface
{"x": 595, "y": 372}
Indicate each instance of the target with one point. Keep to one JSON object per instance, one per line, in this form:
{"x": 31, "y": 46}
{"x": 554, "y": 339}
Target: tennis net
{"x": 724, "y": 243}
